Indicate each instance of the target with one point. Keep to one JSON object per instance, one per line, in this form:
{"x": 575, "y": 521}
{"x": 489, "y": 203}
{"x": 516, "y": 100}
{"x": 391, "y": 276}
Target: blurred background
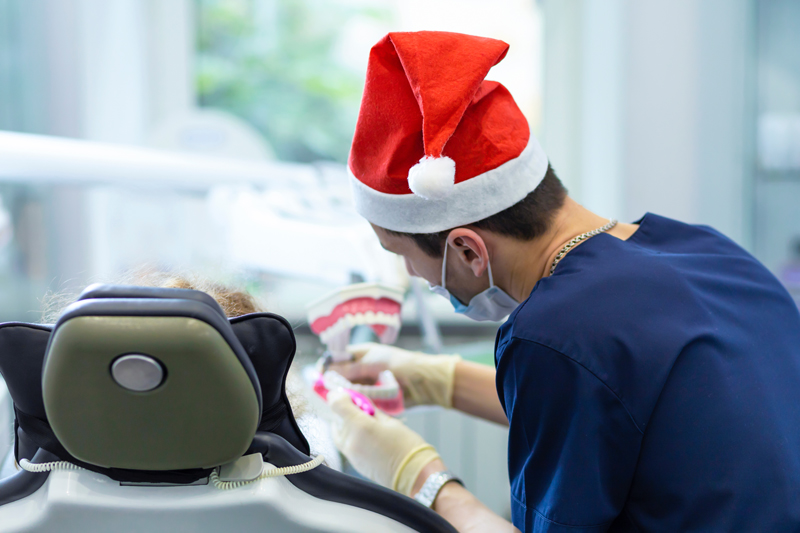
{"x": 215, "y": 134}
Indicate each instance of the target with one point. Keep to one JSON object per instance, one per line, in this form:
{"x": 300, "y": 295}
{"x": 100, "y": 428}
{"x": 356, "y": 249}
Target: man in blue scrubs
{"x": 649, "y": 373}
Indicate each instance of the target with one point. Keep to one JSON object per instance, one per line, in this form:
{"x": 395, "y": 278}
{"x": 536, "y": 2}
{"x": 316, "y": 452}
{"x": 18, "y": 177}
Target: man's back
{"x": 660, "y": 377}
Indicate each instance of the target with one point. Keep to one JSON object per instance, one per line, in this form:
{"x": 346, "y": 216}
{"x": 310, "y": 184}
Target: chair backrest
{"x": 156, "y": 386}
{"x": 149, "y": 380}
{"x": 262, "y": 344}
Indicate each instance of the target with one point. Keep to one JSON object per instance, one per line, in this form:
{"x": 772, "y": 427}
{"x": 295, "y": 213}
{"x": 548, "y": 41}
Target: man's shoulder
{"x": 595, "y": 300}
{"x": 624, "y": 320}
{"x": 613, "y": 303}
{"x": 607, "y": 285}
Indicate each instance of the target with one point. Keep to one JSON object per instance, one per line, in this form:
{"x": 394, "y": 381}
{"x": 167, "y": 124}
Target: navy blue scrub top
{"x": 653, "y": 384}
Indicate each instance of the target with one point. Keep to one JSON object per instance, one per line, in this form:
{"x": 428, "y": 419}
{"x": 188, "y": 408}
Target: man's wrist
{"x": 433, "y": 485}
{"x": 450, "y": 494}
{"x": 415, "y": 462}
{"x": 437, "y": 465}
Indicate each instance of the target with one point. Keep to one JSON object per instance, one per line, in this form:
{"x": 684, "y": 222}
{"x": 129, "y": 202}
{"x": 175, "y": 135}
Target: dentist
{"x": 649, "y": 373}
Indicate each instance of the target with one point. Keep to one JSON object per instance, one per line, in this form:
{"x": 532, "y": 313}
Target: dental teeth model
{"x": 364, "y": 304}
{"x": 333, "y": 317}
{"x": 385, "y": 394}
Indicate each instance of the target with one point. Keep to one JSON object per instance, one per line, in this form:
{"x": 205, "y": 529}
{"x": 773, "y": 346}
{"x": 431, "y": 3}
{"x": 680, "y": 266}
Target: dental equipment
{"x": 333, "y": 318}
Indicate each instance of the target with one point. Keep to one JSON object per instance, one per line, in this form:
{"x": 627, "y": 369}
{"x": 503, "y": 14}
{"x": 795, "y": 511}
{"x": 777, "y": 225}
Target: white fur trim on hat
{"x": 432, "y": 178}
{"x": 469, "y": 201}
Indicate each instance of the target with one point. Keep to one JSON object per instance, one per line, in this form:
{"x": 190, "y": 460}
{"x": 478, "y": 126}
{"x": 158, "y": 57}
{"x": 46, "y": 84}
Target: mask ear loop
{"x": 444, "y": 268}
{"x": 444, "y": 264}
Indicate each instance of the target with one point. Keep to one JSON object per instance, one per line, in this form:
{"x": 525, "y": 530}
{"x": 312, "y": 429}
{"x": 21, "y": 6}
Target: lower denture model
{"x": 333, "y": 317}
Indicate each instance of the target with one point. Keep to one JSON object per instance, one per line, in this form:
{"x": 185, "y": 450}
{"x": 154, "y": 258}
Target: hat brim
{"x": 470, "y": 201}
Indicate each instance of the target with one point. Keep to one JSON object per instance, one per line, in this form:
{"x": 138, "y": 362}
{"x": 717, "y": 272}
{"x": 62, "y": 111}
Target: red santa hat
{"x": 436, "y": 146}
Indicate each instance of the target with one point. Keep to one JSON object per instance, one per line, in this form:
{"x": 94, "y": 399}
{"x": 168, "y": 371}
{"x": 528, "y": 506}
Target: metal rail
{"x": 37, "y": 158}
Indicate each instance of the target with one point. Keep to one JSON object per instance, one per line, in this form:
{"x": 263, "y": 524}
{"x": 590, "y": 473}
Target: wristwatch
{"x": 430, "y": 489}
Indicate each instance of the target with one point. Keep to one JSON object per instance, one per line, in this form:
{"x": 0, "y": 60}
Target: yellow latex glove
{"x": 380, "y": 447}
{"x": 425, "y": 379}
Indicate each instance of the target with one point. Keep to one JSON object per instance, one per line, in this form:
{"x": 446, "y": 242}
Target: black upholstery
{"x": 269, "y": 341}
{"x": 23, "y": 483}
{"x": 22, "y": 349}
{"x": 24, "y": 446}
{"x": 328, "y": 484}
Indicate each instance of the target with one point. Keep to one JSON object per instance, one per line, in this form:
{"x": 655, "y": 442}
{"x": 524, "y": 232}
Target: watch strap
{"x": 430, "y": 489}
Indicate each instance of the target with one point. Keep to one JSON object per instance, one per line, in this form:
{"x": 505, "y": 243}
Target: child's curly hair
{"x": 234, "y": 302}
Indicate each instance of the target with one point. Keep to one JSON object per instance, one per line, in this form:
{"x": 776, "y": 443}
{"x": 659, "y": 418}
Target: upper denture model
{"x": 363, "y": 304}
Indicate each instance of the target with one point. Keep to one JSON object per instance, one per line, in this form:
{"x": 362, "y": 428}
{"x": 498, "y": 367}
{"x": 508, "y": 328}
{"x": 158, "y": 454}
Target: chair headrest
{"x": 149, "y": 379}
{"x": 99, "y": 291}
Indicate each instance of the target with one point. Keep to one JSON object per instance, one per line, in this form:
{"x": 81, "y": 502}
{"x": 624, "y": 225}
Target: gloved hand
{"x": 425, "y": 379}
{"x": 380, "y": 447}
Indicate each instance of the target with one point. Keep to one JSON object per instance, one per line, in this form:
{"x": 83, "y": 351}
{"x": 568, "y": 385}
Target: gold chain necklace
{"x": 580, "y": 238}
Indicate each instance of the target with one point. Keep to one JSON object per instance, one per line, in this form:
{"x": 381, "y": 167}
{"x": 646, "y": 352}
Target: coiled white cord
{"x": 47, "y": 467}
{"x": 214, "y": 477}
{"x": 265, "y": 473}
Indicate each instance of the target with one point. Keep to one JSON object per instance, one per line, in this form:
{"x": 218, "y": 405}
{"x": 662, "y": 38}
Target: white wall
{"x": 726, "y": 117}
{"x": 661, "y": 109}
{"x": 647, "y": 107}
{"x": 117, "y": 66}
{"x": 115, "y": 69}
{"x": 563, "y": 90}
{"x": 602, "y": 101}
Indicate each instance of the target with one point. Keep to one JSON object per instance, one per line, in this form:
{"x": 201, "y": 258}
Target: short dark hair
{"x": 526, "y": 220}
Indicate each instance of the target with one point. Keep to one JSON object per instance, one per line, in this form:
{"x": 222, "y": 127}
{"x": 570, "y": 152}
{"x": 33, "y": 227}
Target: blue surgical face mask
{"x": 493, "y": 304}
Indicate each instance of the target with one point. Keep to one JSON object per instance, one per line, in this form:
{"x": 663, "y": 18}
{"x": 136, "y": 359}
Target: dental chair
{"x": 146, "y": 409}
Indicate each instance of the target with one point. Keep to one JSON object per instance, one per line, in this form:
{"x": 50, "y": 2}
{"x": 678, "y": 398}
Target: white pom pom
{"x": 432, "y": 178}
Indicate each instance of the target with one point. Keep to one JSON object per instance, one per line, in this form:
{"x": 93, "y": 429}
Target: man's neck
{"x": 528, "y": 262}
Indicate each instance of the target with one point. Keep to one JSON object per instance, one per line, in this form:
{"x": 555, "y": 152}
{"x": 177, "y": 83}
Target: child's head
{"x": 233, "y": 301}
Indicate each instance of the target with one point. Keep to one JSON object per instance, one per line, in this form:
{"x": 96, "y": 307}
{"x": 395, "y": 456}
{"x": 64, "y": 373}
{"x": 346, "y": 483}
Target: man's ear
{"x": 470, "y": 250}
